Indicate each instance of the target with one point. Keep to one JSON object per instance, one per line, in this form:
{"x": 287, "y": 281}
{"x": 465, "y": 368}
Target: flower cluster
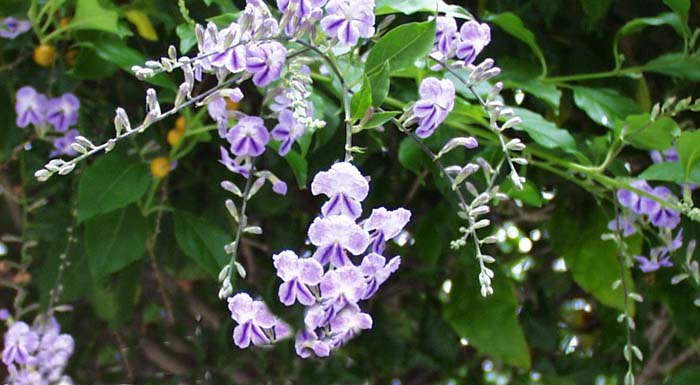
{"x": 10, "y": 27}
{"x": 465, "y": 43}
{"x": 61, "y": 113}
{"x": 37, "y": 354}
{"x": 328, "y": 282}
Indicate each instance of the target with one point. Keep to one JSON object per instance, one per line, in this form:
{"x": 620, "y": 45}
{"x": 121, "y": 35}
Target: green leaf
{"x": 685, "y": 376}
{"x": 473, "y": 317}
{"x": 519, "y": 75}
{"x": 513, "y": 25}
{"x": 605, "y": 106}
{"x": 362, "y": 100}
{"x": 401, "y": 46}
{"x": 379, "y": 118}
{"x": 187, "y": 37}
{"x": 300, "y": 167}
{"x": 681, "y": 7}
{"x": 89, "y": 14}
{"x": 202, "y": 241}
{"x": 409, "y": 7}
{"x": 638, "y": 24}
{"x": 115, "y": 240}
{"x": 644, "y": 134}
{"x": 592, "y": 261}
{"x": 688, "y": 147}
{"x": 410, "y": 156}
{"x": 112, "y": 182}
{"x": 529, "y": 194}
{"x": 544, "y": 132}
{"x": 676, "y": 65}
{"x": 670, "y": 172}
{"x": 116, "y": 301}
{"x": 89, "y": 66}
{"x": 595, "y": 10}
{"x": 380, "y": 83}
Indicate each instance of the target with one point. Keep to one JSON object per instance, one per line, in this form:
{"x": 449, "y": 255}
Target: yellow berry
{"x": 64, "y": 22}
{"x": 180, "y": 123}
{"x": 231, "y": 105}
{"x": 44, "y": 55}
{"x": 160, "y": 167}
{"x": 174, "y": 137}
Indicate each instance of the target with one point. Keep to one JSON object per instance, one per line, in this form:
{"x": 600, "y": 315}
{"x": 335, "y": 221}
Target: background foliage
{"x": 146, "y": 251}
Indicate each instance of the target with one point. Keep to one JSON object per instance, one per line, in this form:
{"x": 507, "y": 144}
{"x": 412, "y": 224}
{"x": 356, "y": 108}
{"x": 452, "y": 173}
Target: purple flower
{"x": 27, "y": 377}
{"x": 298, "y": 275}
{"x": 20, "y": 343}
{"x": 342, "y": 287}
{"x": 348, "y": 323}
{"x": 307, "y": 342}
{"x": 266, "y": 62}
{"x": 377, "y": 271}
{"x": 279, "y": 187}
{"x": 288, "y": 130}
{"x": 226, "y": 50}
{"x": 333, "y": 236}
{"x": 10, "y": 27}
{"x": 473, "y": 38}
{"x": 219, "y": 113}
{"x": 237, "y": 165}
{"x": 624, "y": 224}
{"x": 638, "y": 204}
{"x": 659, "y": 215}
{"x": 248, "y": 137}
{"x": 349, "y": 20}
{"x": 62, "y": 145}
{"x": 648, "y": 265}
{"x": 30, "y": 107}
{"x": 4, "y": 314}
{"x": 62, "y": 112}
{"x": 383, "y": 225}
{"x": 437, "y": 99}
{"x": 446, "y": 35}
{"x": 256, "y": 324}
{"x": 345, "y": 186}
{"x": 668, "y": 155}
{"x": 301, "y": 8}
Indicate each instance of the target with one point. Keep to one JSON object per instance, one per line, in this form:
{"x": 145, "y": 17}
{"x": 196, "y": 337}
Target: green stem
{"x": 242, "y": 223}
{"x": 595, "y": 75}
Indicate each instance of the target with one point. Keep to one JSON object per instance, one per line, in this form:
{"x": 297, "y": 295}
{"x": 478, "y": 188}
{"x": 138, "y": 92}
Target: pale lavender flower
{"x": 219, "y": 113}
{"x": 30, "y": 107}
{"x": 302, "y": 8}
{"x": 62, "y": 112}
{"x": 279, "y": 187}
{"x": 256, "y": 325}
{"x": 348, "y": 323}
{"x": 10, "y": 27}
{"x": 473, "y": 38}
{"x": 436, "y": 102}
{"x": 376, "y": 271}
{"x": 638, "y": 204}
{"x": 342, "y": 287}
{"x": 668, "y": 155}
{"x": 236, "y": 165}
{"x": 4, "y": 314}
{"x": 288, "y": 130}
{"x": 662, "y": 216}
{"x": 20, "y": 344}
{"x": 248, "y": 137}
{"x": 334, "y": 235}
{"x": 27, "y": 377}
{"x": 298, "y": 276}
{"x": 648, "y": 265}
{"x": 349, "y": 20}
{"x": 383, "y": 225}
{"x": 62, "y": 144}
{"x": 624, "y": 224}
{"x": 446, "y": 35}
{"x": 266, "y": 62}
{"x": 231, "y": 57}
{"x": 307, "y": 341}
{"x": 345, "y": 187}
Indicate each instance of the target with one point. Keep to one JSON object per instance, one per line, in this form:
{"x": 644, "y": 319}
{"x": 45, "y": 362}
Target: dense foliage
{"x": 486, "y": 193}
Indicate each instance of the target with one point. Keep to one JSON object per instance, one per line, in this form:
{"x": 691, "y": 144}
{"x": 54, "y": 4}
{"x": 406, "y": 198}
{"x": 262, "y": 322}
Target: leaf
{"x": 89, "y": 14}
{"x": 202, "y": 241}
{"x": 473, "y": 317}
{"x": 300, "y": 167}
{"x": 676, "y": 65}
{"x": 513, "y": 25}
{"x": 519, "y": 75}
{"x": 401, "y": 46}
{"x": 409, "y": 7}
{"x": 544, "y": 132}
{"x": 410, "y": 155}
{"x": 680, "y": 7}
{"x": 116, "y": 302}
{"x": 112, "y": 182}
{"x": 669, "y": 172}
{"x": 529, "y": 194}
{"x": 143, "y": 24}
{"x": 188, "y": 39}
{"x": 89, "y": 66}
{"x": 362, "y": 100}
{"x": 644, "y": 134}
{"x": 380, "y": 84}
{"x": 605, "y": 106}
{"x": 115, "y": 240}
{"x": 685, "y": 376}
{"x": 688, "y": 147}
{"x": 643, "y": 22}
{"x": 592, "y": 261}
{"x": 595, "y": 10}
{"x": 380, "y": 118}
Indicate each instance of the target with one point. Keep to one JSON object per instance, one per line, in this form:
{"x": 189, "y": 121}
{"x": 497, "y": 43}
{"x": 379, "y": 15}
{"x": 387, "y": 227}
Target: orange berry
{"x": 44, "y": 55}
{"x": 174, "y": 137}
{"x": 180, "y": 123}
{"x": 64, "y": 22}
{"x": 231, "y": 105}
{"x": 70, "y": 56}
{"x": 160, "y": 167}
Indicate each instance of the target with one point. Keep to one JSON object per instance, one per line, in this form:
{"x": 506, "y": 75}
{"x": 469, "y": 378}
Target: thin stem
{"x": 621, "y": 257}
{"x": 242, "y": 223}
{"x": 595, "y": 75}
